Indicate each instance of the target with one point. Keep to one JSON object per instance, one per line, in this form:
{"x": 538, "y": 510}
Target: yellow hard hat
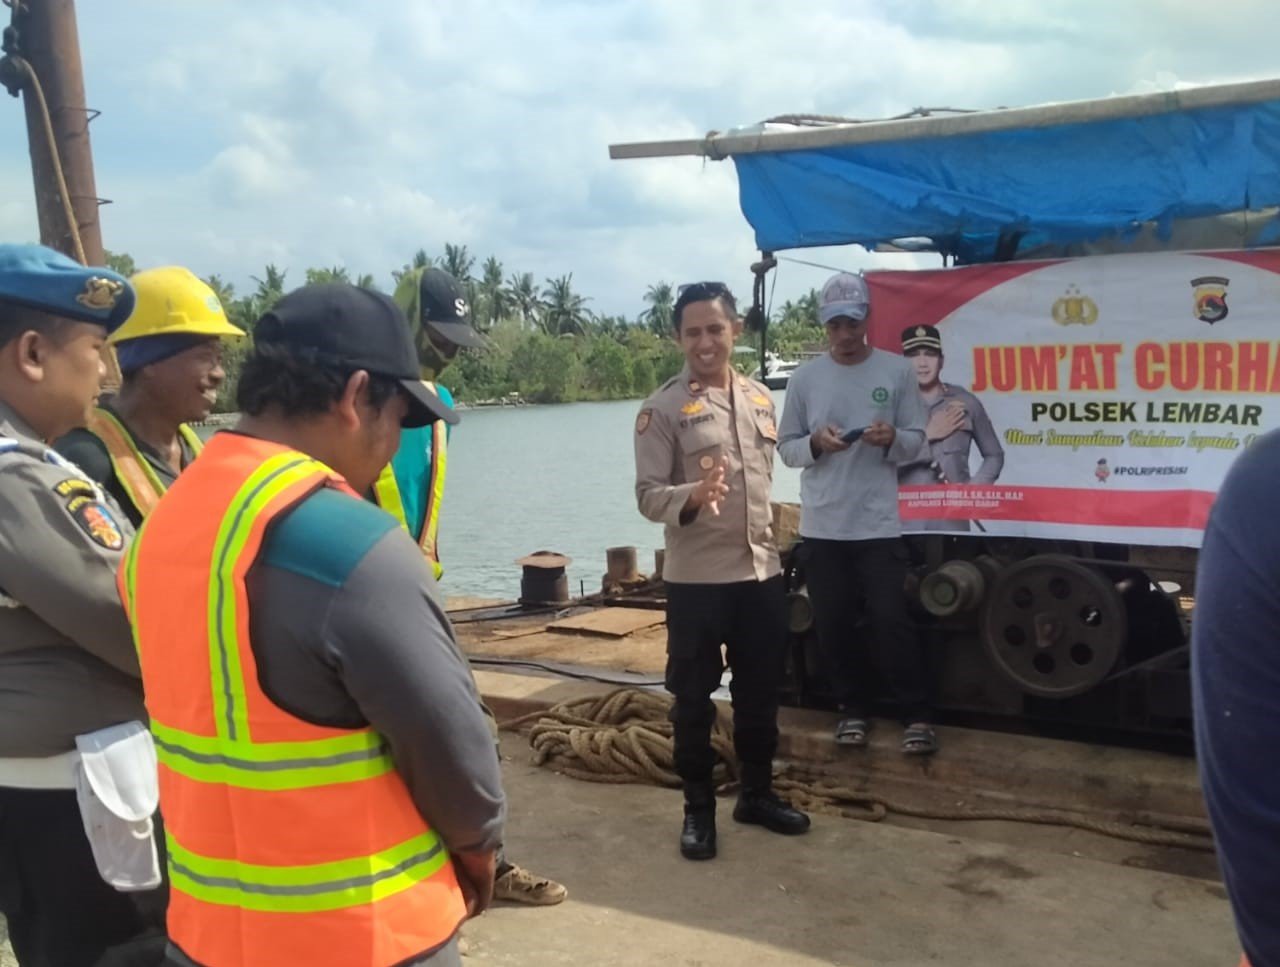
{"x": 171, "y": 301}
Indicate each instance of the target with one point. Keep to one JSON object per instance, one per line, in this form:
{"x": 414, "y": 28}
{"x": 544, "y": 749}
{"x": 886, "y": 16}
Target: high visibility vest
{"x": 289, "y": 843}
{"x": 138, "y": 478}
{"x": 386, "y": 492}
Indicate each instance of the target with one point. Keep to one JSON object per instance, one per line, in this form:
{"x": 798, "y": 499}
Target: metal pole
{"x": 51, "y": 45}
{"x": 721, "y": 146}
{"x": 759, "y": 271}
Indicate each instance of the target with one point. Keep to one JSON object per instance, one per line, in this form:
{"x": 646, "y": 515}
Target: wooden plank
{"x": 610, "y": 622}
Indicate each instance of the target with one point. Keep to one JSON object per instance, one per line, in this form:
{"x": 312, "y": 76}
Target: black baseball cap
{"x": 444, "y": 308}
{"x": 349, "y": 328}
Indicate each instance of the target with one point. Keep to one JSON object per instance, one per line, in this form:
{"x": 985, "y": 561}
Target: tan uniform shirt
{"x": 681, "y": 433}
{"x": 67, "y": 662}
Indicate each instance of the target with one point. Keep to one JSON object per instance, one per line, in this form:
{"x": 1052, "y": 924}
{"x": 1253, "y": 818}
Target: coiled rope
{"x": 625, "y": 737}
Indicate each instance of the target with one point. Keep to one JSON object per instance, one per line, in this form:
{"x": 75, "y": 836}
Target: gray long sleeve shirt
{"x": 851, "y": 495}
{"x": 348, "y": 630}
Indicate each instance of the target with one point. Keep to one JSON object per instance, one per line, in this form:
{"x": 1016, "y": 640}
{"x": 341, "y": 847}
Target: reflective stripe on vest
{"x": 136, "y": 475}
{"x": 306, "y": 889}
{"x": 386, "y": 492}
{"x": 266, "y": 815}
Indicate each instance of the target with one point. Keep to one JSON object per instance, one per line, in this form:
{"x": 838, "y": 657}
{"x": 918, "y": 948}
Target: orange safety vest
{"x": 136, "y": 476}
{"x": 288, "y": 842}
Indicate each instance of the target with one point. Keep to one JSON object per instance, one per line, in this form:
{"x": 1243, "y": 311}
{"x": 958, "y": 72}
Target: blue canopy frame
{"x": 987, "y": 186}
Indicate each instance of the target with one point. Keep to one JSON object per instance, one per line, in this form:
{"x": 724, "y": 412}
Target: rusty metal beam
{"x": 50, "y": 43}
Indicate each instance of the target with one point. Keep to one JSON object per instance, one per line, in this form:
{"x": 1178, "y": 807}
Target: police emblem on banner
{"x": 1210, "y": 298}
{"x": 1075, "y": 308}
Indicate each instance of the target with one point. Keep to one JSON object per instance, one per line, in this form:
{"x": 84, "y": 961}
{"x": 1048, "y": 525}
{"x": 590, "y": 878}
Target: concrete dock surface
{"x": 847, "y": 893}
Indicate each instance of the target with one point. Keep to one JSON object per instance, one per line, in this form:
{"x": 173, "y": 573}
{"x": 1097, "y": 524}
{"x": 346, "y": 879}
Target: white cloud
{"x": 315, "y": 133}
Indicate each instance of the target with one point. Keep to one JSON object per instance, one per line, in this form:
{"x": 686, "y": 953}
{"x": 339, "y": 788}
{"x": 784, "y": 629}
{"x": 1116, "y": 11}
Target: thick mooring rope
{"x": 625, "y": 737}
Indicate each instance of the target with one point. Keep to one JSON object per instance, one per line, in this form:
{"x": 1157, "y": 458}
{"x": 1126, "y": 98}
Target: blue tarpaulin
{"x": 1052, "y": 185}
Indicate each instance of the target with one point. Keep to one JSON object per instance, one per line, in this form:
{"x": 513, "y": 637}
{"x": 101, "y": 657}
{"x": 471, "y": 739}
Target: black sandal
{"x": 852, "y": 731}
{"x": 919, "y": 740}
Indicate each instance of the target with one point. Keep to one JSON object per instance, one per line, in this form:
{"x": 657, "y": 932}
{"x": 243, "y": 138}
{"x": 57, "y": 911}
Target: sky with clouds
{"x": 307, "y": 133}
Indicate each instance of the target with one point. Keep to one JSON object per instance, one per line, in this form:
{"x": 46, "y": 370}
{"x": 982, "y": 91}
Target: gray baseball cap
{"x": 844, "y": 295}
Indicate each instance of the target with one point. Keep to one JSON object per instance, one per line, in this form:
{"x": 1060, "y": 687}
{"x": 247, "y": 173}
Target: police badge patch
{"x": 642, "y": 421}
{"x": 97, "y": 521}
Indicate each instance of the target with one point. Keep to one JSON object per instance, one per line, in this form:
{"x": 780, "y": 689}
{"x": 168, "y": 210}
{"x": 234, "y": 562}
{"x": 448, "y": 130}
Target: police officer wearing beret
{"x": 67, "y": 660}
{"x": 704, "y": 447}
{"x": 956, "y": 421}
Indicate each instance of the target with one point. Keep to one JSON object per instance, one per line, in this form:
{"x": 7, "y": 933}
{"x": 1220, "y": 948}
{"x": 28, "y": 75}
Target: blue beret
{"x": 41, "y": 278}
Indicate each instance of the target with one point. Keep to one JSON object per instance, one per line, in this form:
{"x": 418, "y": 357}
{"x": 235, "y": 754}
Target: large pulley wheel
{"x": 1053, "y": 626}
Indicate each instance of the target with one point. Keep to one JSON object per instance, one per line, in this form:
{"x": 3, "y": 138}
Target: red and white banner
{"x": 1099, "y": 398}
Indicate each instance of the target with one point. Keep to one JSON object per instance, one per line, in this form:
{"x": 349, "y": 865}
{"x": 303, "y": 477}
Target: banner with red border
{"x": 1099, "y": 398}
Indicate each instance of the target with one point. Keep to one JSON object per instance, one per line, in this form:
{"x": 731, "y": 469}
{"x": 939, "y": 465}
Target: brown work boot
{"x": 518, "y": 885}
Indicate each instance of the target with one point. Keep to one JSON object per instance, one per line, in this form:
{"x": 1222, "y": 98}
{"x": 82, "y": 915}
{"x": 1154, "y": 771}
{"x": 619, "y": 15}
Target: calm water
{"x": 556, "y": 478}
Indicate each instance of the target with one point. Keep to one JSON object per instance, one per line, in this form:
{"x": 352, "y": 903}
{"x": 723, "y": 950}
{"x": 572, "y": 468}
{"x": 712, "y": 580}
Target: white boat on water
{"x": 777, "y": 372}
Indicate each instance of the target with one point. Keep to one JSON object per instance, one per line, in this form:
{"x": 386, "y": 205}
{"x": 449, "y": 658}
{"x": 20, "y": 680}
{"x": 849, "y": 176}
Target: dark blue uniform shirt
{"x": 1236, "y": 683}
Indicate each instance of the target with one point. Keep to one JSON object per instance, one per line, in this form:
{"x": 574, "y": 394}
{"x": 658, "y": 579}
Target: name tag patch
{"x": 694, "y": 421}
{"x": 72, "y": 486}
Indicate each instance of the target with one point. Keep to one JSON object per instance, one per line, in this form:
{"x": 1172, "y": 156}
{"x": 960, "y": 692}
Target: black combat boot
{"x": 698, "y": 836}
{"x": 757, "y": 803}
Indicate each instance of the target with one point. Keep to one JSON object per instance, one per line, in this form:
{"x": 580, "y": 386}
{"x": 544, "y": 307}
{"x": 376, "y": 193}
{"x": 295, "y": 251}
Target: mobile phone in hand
{"x": 852, "y": 435}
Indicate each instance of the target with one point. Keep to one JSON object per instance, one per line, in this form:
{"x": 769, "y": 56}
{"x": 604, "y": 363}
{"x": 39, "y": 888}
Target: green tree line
{"x": 544, "y": 342}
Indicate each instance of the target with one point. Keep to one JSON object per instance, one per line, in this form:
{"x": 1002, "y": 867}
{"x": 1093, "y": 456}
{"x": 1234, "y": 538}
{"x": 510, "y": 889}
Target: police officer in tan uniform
{"x": 956, "y": 421}
{"x": 68, "y": 670}
{"x": 704, "y": 447}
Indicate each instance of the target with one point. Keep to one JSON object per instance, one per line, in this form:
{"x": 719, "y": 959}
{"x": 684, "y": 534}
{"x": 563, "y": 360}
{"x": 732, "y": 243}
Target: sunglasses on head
{"x": 692, "y": 291}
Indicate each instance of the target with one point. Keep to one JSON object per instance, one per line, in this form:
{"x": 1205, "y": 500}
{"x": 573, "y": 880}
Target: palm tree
{"x": 806, "y": 308}
{"x": 366, "y": 281}
{"x": 420, "y": 260}
{"x": 225, "y": 291}
{"x": 337, "y": 273}
{"x": 661, "y": 311}
{"x": 496, "y": 298}
{"x": 566, "y": 312}
{"x": 613, "y": 326}
{"x": 523, "y": 293}
{"x": 458, "y": 262}
{"x": 270, "y": 289}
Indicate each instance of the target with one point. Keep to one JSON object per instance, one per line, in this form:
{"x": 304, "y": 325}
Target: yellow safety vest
{"x": 136, "y": 475}
{"x": 386, "y": 492}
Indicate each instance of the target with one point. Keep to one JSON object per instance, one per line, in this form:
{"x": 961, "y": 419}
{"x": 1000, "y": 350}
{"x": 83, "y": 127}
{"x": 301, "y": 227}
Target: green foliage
{"x": 644, "y": 378}
{"x": 794, "y": 328}
{"x": 420, "y": 260}
{"x": 547, "y": 369}
{"x": 564, "y": 311}
{"x": 233, "y": 356}
{"x": 609, "y": 371}
{"x": 661, "y": 299}
{"x": 544, "y": 344}
{"x": 121, "y": 262}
